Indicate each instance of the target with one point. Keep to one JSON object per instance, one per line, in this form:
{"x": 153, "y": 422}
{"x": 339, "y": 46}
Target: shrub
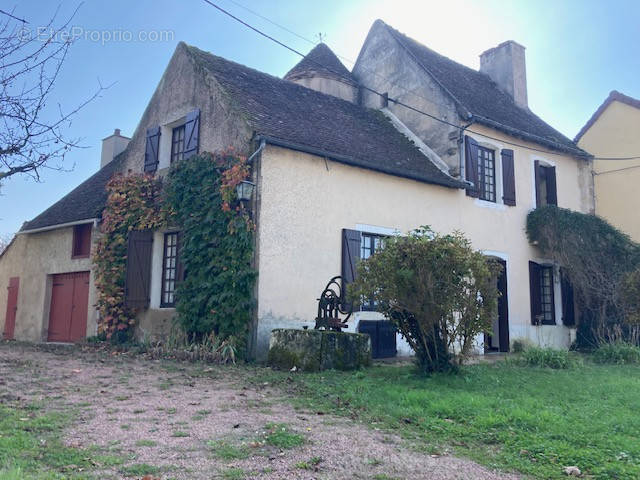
{"x": 438, "y": 291}
{"x": 519, "y": 345}
{"x": 617, "y": 353}
{"x": 545, "y": 357}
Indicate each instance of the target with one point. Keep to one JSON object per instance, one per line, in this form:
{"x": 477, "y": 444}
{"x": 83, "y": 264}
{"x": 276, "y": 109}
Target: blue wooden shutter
{"x": 192, "y": 133}
{"x": 151, "y": 149}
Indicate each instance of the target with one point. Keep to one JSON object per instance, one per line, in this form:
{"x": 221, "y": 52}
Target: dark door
{"x": 69, "y": 305}
{"x": 502, "y": 332}
{"x": 383, "y": 337}
{"x": 12, "y": 308}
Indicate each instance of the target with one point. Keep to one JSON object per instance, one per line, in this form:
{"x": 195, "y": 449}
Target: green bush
{"x": 439, "y": 292}
{"x": 519, "y": 345}
{"x": 545, "y": 357}
{"x": 617, "y": 353}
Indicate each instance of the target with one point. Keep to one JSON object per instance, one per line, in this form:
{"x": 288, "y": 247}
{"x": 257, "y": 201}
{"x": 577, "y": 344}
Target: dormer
{"x": 321, "y": 70}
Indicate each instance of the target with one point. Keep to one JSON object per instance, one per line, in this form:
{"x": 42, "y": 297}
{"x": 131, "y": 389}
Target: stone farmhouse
{"x": 337, "y": 167}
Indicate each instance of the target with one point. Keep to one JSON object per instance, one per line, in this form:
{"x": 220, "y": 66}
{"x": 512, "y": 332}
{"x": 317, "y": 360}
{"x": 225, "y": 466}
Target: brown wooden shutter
{"x": 137, "y": 286}
{"x": 192, "y": 133}
{"x": 151, "y": 149}
{"x": 538, "y": 174}
{"x": 534, "y": 293}
{"x": 552, "y": 195}
{"x": 508, "y": 178}
{"x": 471, "y": 165}
{"x": 568, "y": 302}
{"x": 350, "y": 257}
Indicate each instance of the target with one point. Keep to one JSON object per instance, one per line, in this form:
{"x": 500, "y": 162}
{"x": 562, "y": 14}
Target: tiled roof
{"x": 289, "y": 115}
{"x": 480, "y": 99}
{"x": 84, "y": 202}
{"x": 300, "y": 117}
{"x": 321, "y": 60}
{"x": 613, "y": 96}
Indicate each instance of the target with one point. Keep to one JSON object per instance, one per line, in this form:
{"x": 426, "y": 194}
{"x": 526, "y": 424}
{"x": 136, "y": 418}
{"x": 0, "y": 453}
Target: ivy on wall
{"x": 599, "y": 260}
{"x": 217, "y": 245}
{"x": 133, "y": 204}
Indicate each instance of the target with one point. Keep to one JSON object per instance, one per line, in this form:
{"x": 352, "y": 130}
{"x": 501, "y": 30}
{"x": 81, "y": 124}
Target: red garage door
{"x": 69, "y": 304}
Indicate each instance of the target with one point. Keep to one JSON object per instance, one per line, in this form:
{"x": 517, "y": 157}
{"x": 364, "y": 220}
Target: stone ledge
{"x": 316, "y": 350}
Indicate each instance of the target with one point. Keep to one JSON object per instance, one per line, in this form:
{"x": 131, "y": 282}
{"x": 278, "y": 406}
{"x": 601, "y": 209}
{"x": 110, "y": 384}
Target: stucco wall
{"x": 616, "y": 133}
{"x": 305, "y": 202}
{"x": 34, "y": 258}
{"x": 330, "y": 86}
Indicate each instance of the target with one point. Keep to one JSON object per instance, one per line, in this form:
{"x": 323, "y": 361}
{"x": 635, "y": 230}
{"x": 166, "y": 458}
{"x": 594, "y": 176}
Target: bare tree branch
{"x": 32, "y": 131}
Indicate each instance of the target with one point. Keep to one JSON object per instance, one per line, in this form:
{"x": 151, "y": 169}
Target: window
{"x": 546, "y": 296}
{"x": 177, "y": 144}
{"x": 169, "y": 269}
{"x": 545, "y": 178}
{"x": 81, "y": 241}
{"x": 486, "y": 174}
{"x": 541, "y": 284}
{"x": 369, "y": 244}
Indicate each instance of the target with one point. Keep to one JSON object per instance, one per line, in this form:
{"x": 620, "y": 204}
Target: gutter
{"x": 351, "y": 161}
{"x": 59, "y": 225}
{"x": 263, "y": 144}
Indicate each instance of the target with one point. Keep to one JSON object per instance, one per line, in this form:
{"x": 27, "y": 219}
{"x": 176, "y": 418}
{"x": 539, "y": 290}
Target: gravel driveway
{"x": 194, "y": 421}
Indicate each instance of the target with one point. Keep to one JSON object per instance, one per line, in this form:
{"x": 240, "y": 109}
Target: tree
{"x": 32, "y": 126}
{"x": 438, "y": 291}
{"x": 598, "y": 260}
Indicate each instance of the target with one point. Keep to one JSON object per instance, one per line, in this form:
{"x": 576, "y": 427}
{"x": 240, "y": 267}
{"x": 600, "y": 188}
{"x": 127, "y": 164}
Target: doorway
{"x": 498, "y": 339}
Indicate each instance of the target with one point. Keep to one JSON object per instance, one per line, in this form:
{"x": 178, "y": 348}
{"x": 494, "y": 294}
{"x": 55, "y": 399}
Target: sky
{"x": 577, "y": 51}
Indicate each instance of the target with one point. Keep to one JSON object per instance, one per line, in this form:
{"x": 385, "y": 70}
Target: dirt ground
{"x": 199, "y": 422}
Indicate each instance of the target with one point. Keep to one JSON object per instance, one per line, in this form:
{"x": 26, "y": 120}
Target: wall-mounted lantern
{"x": 245, "y": 190}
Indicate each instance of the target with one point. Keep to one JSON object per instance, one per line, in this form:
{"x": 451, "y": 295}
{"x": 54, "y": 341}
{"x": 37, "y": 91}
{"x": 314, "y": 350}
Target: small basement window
{"x": 81, "y": 241}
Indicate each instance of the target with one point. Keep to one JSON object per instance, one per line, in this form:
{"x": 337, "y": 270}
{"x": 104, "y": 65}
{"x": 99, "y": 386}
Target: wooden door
{"x": 69, "y": 305}
{"x": 12, "y": 307}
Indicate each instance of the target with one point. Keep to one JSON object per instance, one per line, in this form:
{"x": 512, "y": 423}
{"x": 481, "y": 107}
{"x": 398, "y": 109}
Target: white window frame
{"x": 544, "y": 162}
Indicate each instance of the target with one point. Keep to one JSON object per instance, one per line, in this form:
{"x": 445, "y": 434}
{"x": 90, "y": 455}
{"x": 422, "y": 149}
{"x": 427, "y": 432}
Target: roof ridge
{"x": 321, "y": 59}
{"x": 614, "y": 95}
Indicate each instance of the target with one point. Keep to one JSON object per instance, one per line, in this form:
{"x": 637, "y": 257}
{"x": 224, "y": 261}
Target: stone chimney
{"x": 112, "y": 146}
{"x": 505, "y": 64}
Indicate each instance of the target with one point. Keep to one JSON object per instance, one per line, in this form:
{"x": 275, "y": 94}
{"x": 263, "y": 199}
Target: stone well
{"x": 315, "y": 350}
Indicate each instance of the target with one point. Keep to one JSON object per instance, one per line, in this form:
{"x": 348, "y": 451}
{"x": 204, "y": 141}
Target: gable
{"x": 479, "y": 99}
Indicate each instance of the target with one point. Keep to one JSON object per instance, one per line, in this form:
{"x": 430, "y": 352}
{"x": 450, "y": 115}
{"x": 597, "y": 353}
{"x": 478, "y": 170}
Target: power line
{"x": 397, "y": 102}
{"x": 616, "y": 170}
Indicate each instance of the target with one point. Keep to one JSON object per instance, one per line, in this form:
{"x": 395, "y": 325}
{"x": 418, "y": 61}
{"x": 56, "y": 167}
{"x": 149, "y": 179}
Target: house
{"x": 338, "y": 168}
{"x": 612, "y": 132}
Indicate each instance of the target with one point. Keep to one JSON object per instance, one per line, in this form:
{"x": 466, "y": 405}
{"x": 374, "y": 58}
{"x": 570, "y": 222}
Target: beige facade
{"x": 615, "y": 132}
{"x": 35, "y": 258}
{"x": 305, "y": 201}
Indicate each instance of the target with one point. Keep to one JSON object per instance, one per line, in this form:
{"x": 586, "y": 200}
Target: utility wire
{"x": 397, "y": 102}
{"x": 616, "y": 170}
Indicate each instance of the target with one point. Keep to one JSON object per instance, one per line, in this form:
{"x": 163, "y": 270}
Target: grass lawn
{"x": 30, "y": 447}
{"x": 530, "y": 420}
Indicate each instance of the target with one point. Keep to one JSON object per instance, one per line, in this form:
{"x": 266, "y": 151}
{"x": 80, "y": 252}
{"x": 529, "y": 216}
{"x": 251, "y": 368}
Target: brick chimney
{"x": 112, "y": 146}
{"x": 505, "y": 64}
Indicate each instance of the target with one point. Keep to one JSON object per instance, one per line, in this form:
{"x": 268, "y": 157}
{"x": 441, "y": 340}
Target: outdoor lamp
{"x": 245, "y": 190}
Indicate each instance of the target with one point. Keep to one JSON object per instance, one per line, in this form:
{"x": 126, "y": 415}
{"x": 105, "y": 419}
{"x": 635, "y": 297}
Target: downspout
{"x": 253, "y": 331}
{"x": 463, "y": 173}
